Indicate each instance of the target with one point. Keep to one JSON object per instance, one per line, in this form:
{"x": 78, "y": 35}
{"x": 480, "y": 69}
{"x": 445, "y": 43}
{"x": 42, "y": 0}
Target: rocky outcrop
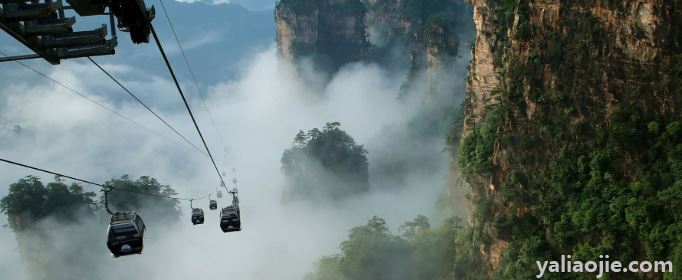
{"x": 423, "y": 38}
{"x": 483, "y": 78}
{"x": 330, "y": 31}
{"x": 572, "y": 108}
{"x": 428, "y": 33}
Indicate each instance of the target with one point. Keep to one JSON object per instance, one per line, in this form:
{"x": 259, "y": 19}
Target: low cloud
{"x": 257, "y": 115}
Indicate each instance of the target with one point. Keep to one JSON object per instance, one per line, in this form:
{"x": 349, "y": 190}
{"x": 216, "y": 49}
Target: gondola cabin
{"x": 213, "y": 205}
{"x": 219, "y": 194}
{"x": 197, "y": 216}
{"x": 126, "y": 234}
{"x": 230, "y": 220}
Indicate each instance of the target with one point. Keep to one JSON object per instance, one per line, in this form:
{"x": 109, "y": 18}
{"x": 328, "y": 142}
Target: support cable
{"x": 53, "y": 173}
{"x": 194, "y": 79}
{"x": 97, "y": 103}
{"x": 146, "y": 107}
{"x": 184, "y": 100}
{"x": 98, "y": 184}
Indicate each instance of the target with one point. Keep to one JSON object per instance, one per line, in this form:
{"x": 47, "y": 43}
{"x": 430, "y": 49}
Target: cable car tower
{"x": 43, "y": 27}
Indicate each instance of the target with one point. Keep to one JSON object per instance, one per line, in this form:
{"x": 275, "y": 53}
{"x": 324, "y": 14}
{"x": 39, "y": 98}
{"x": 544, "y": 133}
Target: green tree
{"x": 327, "y": 268}
{"x": 324, "y": 164}
{"x": 30, "y": 201}
{"x": 411, "y": 228}
{"x": 373, "y": 252}
{"x": 125, "y": 197}
{"x": 56, "y": 225}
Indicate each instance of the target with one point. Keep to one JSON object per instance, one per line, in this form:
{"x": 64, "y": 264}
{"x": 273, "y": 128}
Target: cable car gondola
{"x": 126, "y": 234}
{"x": 213, "y": 205}
{"x": 229, "y": 219}
{"x": 197, "y": 216}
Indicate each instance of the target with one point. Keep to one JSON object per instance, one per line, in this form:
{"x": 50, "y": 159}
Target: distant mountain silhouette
{"x": 216, "y": 39}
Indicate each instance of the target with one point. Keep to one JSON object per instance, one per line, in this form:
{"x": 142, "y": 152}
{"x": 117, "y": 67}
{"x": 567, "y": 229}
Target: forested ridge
{"x": 572, "y": 144}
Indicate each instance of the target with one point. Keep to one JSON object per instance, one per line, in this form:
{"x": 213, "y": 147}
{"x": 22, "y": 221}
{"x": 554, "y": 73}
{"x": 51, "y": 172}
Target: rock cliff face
{"x": 341, "y": 31}
{"x": 330, "y": 31}
{"x": 572, "y": 141}
{"x": 423, "y": 38}
{"x": 425, "y": 32}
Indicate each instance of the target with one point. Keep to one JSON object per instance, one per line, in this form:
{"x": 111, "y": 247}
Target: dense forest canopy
{"x": 324, "y": 164}
{"x": 372, "y": 251}
{"x": 30, "y": 201}
{"x": 161, "y": 210}
{"x": 596, "y": 168}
